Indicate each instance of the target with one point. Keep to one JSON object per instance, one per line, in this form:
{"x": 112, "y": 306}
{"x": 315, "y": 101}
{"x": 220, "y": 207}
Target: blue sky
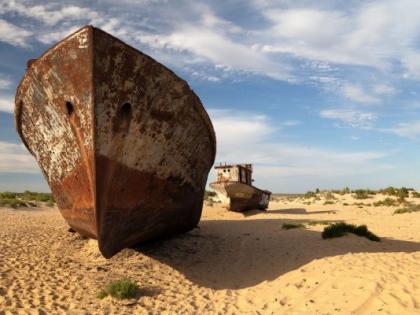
{"x": 314, "y": 93}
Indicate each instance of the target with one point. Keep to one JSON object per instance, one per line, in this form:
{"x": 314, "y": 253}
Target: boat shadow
{"x": 299, "y": 211}
{"x": 286, "y": 211}
{"x": 235, "y": 254}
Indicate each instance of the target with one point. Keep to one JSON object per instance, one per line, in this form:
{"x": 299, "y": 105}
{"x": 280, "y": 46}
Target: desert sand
{"x": 232, "y": 263}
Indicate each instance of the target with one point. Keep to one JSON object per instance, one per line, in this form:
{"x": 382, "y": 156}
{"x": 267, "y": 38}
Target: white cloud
{"x": 6, "y": 104}
{"x": 50, "y": 14}
{"x": 358, "y": 94}
{"x": 383, "y": 89}
{"x": 411, "y": 61}
{"x": 352, "y": 117}
{"x": 214, "y": 45}
{"x": 231, "y": 127}
{"x": 248, "y": 138}
{"x": 409, "y": 130}
{"x": 368, "y": 34}
{"x": 5, "y": 83}
{"x": 291, "y": 123}
{"x": 373, "y": 34}
{"x": 12, "y": 34}
{"x": 55, "y": 36}
{"x": 14, "y": 158}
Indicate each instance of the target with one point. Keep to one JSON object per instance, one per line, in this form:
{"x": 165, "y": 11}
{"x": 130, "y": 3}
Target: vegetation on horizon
{"x": 25, "y": 199}
{"x": 119, "y": 289}
{"x": 341, "y": 229}
{"x": 209, "y": 194}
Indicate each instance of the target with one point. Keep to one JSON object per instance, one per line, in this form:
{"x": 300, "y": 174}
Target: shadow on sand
{"x": 234, "y": 254}
{"x": 287, "y": 211}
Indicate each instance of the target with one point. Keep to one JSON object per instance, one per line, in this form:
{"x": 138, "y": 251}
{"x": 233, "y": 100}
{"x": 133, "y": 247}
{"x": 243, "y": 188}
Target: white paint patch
{"x": 83, "y": 39}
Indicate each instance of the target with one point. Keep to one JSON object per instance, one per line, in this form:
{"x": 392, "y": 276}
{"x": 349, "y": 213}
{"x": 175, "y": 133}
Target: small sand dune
{"x": 232, "y": 264}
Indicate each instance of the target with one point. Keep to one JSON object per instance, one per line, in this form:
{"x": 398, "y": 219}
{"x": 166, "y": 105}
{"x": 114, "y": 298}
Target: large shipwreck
{"x": 124, "y": 143}
{"x": 233, "y": 187}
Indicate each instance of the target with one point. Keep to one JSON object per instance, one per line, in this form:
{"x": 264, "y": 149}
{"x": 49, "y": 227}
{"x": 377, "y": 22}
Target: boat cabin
{"x": 234, "y": 173}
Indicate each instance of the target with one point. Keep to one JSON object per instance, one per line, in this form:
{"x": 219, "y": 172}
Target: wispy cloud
{"x": 410, "y": 130}
{"x": 248, "y": 138}
{"x": 48, "y": 13}
{"x": 14, "y": 158}
{"x": 12, "y": 34}
{"x": 351, "y": 117}
{"x": 6, "y": 104}
{"x": 358, "y": 94}
{"x": 5, "y": 83}
{"x": 370, "y": 34}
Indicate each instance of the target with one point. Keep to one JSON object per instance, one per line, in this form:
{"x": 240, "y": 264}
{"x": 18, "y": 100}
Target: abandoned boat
{"x": 124, "y": 143}
{"x": 233, "y": 187}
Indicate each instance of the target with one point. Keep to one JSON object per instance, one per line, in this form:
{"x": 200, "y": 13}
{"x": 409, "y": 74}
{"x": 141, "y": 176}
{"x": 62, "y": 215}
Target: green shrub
{"x": 330, "y": 196}
{"x": 345, "y": 191}
{"x": 415, "y": 194}
{"x": 309, "y": 194}
{"x": 408, "y": 209}
{"x": 288, "y": 226}
{"x": 320, "y": 222}
{"x": 329, "y": 202}
{"x": 387, "y": 202}
{"x": 12, "y": 202}
{"x": 120, "y": 289}
{"x": 341, "y": 229}
{"x": 34, "y": 196}
{"x": 402, "y": 192}
{"x": 209, "y": 194}
{"x": 8, "y": 195}
{"x": 361, "y": 194}
{"x": 345, "y": 204}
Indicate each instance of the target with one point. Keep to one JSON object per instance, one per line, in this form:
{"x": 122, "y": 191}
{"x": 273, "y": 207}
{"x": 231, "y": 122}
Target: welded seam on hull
{"x": 93, "y": 130}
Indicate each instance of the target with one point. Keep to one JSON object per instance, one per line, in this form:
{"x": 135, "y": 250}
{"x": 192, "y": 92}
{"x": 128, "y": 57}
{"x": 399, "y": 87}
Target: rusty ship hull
{"x": 239, "y": 197}
{"x": 124, "y": 143}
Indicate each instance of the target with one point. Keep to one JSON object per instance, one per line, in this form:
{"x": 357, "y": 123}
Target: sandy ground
{"x": 232, "y": 264}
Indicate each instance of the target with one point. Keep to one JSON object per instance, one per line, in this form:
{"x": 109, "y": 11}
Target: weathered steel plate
{"x": 124, "y": 143}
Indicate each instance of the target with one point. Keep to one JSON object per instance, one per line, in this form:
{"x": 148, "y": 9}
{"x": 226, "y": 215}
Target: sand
{"x": 232, "y": 264}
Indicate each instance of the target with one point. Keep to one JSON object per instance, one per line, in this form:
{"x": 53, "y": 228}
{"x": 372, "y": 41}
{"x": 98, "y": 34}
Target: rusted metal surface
{"x": 125, "y": 144}
{"x": 234, "y": 188}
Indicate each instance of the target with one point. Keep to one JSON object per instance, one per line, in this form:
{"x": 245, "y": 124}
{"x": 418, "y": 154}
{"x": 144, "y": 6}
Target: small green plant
{"x": 341, "y": 229}
{"x": 50, "y": 203}
{"x": 345, "y": 204}
{"x": 329, "y": 202}
{"x": 291, "y": 225}
{"x": 408, "y": 209}
{"x": 320, "y": 222}
{"x": 120, "y": 289}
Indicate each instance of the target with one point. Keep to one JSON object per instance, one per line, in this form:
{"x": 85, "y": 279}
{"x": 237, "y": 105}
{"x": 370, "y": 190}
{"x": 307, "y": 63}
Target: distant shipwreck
{"x": 233, "y": 187}
{"x": 124, "y": 143}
